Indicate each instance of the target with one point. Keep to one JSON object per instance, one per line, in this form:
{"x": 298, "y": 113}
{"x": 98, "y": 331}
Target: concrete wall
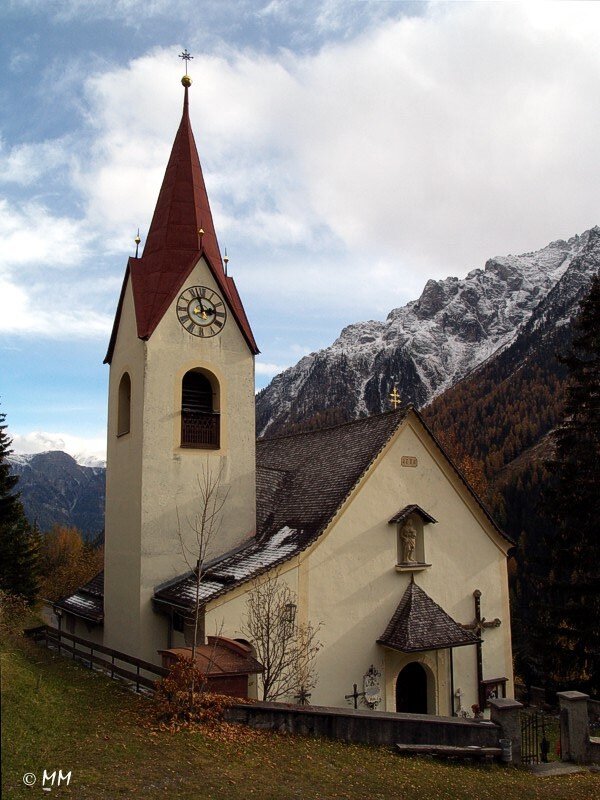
{"x": 364, "y": 727}
{"x": 576, "y": 744}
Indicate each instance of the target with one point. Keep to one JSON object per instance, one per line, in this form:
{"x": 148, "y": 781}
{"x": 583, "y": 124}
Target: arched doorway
{"x": 411, "y": 689}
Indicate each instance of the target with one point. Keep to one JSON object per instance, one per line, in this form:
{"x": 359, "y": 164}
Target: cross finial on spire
{"x": 186, "y": 80}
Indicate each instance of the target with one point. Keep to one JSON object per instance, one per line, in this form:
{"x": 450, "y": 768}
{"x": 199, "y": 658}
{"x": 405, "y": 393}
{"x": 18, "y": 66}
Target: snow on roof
{"x": 233, "y": 568}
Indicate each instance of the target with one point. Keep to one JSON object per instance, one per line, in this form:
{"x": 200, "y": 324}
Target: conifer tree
{"x": 18, "y": 545}
{"x": 568, "y": 603}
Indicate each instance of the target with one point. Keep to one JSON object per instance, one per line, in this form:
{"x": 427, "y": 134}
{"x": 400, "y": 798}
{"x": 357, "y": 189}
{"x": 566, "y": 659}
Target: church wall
{"x": 225, "y": 616}
{"x": 171, "y": 473}
{"x": 123, "y": 490}
{"x": 354, "y": 586}
{"x": 151, "y": 479}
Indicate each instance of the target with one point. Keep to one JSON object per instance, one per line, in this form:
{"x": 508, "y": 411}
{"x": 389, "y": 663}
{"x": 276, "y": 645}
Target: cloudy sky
{"x": 351, "y": 150}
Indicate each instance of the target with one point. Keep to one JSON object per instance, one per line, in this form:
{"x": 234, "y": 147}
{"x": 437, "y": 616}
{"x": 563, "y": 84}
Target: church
{"x": 377, "y": 534}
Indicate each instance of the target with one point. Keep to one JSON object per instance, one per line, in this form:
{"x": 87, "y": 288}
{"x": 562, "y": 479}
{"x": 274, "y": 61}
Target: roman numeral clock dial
{"x": 201, "y": 311}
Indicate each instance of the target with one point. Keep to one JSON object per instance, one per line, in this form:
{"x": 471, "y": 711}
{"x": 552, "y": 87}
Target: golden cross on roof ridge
{"x": 394, "y": 398}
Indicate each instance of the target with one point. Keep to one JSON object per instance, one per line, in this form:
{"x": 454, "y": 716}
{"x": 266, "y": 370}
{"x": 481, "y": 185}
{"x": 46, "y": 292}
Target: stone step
{"x": 449, "y": 751}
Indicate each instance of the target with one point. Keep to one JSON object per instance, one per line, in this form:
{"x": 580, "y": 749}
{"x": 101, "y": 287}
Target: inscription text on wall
{"x": 409, "y": 461}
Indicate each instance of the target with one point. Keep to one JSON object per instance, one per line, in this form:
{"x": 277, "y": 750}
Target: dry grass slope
{"x": 60, "y": 715}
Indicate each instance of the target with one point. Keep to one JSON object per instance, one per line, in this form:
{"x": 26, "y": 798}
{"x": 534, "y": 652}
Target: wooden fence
{"x": 113, "y": 662}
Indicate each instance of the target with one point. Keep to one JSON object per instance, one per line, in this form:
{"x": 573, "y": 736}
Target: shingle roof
{"x": 407, "y": 510}
{"x": 318, "y": 469}
{"x": 301, "y": 482}
{"x": 87, "y": 601}
{"x": 420, "y": 624}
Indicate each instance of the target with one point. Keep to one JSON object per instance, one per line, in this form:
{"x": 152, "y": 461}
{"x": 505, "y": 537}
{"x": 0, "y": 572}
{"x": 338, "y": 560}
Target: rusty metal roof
{"x": 173, "y": 245}
{"x": 220, "y": 656}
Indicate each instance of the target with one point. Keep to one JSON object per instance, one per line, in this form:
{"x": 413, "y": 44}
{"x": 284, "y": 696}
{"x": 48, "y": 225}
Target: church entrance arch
{"x": 411, "y": 689}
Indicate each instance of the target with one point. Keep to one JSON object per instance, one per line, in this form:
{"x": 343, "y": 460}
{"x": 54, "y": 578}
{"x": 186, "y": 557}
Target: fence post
{"x": 574, "y": 726}
{"x": 505, "y": 714}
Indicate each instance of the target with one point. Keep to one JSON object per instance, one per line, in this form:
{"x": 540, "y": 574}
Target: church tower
{"x": 181, "y": 402}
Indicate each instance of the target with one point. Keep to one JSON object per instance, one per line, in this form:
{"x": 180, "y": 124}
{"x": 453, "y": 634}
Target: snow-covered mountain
{"x": 431, "y": 343}
{"x": 56, "y": 489}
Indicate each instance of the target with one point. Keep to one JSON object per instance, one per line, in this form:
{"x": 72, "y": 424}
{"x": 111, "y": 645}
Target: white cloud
{"x": 270, "y": 370}
{"x": 27, "y": 163}
{"x": 90, "y": 451}
{"x": 350, "y": 175}
{"x": 35, "y": 310}
{"x": 426, "y": 144}
{"x": 31, "y": 234}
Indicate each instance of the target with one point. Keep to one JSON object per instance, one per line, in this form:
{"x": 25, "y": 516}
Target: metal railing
{"x": 200, "y": 429}
{"x": 113, "y": 662}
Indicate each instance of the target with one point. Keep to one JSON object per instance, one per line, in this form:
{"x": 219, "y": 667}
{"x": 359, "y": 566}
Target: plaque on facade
{"x": 372, "y": 687}
{"x": 409, "y": 461}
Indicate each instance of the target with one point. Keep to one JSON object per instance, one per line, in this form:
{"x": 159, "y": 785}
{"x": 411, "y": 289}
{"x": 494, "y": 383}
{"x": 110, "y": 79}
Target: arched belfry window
{"x": 200, "y": 422}
{"x": 124, "y": 405}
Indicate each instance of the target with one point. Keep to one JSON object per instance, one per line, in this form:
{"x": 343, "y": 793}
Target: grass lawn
{"x": 57, "y": 715}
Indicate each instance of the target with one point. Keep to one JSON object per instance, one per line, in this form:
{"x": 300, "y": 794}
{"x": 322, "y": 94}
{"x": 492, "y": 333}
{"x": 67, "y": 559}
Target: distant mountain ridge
{"x": 55, "y": 489}
{"x": 431, "y": 343}
{"x": 481, "y": 348}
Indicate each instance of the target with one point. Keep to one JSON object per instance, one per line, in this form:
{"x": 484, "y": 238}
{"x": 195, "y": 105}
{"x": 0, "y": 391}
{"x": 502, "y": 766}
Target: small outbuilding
{"x": 227, "y": 665}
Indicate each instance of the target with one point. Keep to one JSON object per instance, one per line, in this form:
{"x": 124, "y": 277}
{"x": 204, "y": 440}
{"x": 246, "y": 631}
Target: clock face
{"x": 201, "y": 311}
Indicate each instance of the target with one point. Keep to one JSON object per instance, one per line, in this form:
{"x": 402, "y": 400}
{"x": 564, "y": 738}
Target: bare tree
{"x": 285, "y": 648}
{"x": 203, "y": 526}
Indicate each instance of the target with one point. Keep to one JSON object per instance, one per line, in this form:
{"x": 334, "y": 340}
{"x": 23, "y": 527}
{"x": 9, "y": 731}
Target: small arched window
{"x": 124, "y": 408}
{"x": 200, "y": 422}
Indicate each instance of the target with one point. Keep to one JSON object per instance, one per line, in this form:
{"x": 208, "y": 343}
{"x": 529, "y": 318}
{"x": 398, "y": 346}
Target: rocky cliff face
{"x": 56, "y": 489}
{"x": 431, "y": 343}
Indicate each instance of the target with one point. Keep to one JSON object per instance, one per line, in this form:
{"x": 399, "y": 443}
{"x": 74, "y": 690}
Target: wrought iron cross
{"x": 302, "y": 697}
{"x": 354, "y": 696}
{"x": 186, "y": 57}
{"x": 478, "y": 626}
{"x": 395, "y": 398}
{"x": 479, "y": 623}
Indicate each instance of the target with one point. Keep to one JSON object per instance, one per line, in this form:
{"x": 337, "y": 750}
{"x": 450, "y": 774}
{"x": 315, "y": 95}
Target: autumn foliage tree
{"x": 66, "y": 562}
{"x": 565, "y": 576}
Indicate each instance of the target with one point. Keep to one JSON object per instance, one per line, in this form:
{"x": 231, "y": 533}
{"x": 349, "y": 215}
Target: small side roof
{"x": 407, "y": 511}
{"x": 420, "y": 624}
{"x": 87, "y": 602}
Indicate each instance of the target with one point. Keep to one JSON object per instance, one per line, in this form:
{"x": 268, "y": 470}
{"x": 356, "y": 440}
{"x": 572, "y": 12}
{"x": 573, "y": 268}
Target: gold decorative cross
{"x": 395, "y": 398}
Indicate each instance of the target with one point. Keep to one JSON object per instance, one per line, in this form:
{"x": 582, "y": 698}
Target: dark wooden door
{"x": 411, "y": 689}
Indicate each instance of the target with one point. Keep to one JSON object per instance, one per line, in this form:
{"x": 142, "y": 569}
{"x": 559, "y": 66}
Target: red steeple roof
{"x": 173, "y": 245}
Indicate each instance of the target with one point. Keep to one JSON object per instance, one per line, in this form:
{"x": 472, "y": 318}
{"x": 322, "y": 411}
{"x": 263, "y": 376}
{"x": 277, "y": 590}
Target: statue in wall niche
{"x": 408, "y": 539}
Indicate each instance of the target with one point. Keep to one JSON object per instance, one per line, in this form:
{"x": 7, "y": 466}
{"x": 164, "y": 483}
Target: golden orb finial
{"x": 186, "y": 81}
{"x": 137, "y": 241}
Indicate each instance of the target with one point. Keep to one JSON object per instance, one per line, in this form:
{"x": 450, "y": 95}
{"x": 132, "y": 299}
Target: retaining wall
{"x": 366, "y": 727}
